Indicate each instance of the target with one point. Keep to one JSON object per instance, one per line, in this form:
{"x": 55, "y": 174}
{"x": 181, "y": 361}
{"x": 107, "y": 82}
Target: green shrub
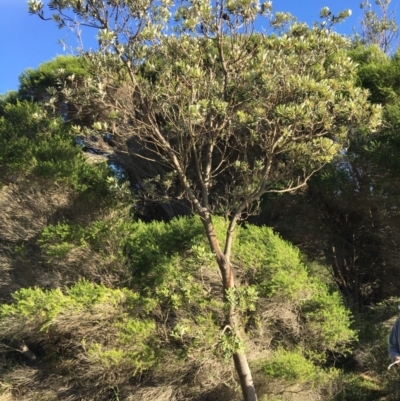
{"x": 33, "y": 143}
{"x": 166, "y": 261}
{"x": 127, "y": 337}
{"x": 280, "y": 272}
{"x": 281, "y": 304}
{"x": 35, "y": 82}
{"x": 361, "y": 388}
{"x": 295, "y": 368}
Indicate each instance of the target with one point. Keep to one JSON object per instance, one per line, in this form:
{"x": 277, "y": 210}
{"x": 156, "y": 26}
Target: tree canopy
{"x": 227, "y": 113}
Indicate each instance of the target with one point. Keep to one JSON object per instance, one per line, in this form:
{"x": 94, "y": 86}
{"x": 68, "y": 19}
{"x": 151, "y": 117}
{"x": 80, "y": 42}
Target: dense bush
{"x": 167, "y": 321}
{"x": 33, "y": 143}
{"x": 34, "y": 83}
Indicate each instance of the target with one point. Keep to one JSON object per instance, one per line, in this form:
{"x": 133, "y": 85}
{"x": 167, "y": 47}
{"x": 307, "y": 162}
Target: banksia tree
{"x": 227, "y": 114}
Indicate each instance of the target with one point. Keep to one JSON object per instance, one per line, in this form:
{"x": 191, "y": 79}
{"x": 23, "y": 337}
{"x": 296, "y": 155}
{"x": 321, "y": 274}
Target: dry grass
{"x": 5, "y": 392}
{"x": 7, "y": 396}
{"x": 167, "y": 393}
{"x": 28, "y": 207}
{"x": 107, "y": 268}
{"x": 63, "y": 370}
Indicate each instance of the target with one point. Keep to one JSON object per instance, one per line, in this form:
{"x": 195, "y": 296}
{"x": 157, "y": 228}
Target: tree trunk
{"x": 245, "y": 377}
{"x": 240, "y": 359}
{"x": 241, "y": 364}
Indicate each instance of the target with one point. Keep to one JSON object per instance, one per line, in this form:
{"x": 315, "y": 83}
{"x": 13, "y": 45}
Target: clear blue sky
{"x": 26, "y": 41}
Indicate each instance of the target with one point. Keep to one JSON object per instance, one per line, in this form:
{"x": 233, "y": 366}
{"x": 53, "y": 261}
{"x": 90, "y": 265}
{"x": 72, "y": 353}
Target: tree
{"x": 360, "y": 202}
{"x": 227, "y": 113}
{"x": 380, "y": 30}
{"x": 34, "y": 84}
{"x": 349, "y": 212}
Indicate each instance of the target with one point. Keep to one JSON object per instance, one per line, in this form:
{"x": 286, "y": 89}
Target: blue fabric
{"x": 394, "y": 340}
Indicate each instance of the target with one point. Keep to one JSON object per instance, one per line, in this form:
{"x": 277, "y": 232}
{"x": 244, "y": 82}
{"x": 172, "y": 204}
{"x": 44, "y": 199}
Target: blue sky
{"x": 26, "y": 41}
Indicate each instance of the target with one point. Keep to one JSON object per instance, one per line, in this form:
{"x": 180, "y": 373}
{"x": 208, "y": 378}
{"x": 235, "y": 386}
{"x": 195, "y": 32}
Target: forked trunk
{"x": 241, "y": 364}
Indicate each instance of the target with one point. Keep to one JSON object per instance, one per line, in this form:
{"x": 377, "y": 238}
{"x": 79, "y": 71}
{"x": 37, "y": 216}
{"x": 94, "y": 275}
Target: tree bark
{"x": 245, "y": 377}
{"x": 240, "y": 359}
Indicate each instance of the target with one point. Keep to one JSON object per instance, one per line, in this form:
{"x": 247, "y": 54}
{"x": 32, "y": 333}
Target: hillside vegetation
{"x": 209, "y": 215}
